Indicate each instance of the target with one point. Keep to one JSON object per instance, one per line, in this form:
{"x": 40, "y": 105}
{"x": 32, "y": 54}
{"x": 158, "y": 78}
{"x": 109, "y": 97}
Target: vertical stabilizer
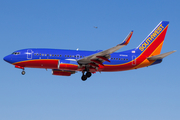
{"x": 152, "y": 44}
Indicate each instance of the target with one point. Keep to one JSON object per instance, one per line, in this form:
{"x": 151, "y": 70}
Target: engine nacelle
{"x": 68, "y": 65}
{"x": 62, "y": 73}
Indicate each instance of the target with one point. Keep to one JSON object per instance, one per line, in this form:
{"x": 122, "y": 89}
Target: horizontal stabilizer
{"x": 160, "y": 56}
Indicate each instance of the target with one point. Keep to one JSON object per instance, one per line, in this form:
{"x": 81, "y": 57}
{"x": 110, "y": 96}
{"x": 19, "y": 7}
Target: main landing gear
{"x": 85, "y": 76}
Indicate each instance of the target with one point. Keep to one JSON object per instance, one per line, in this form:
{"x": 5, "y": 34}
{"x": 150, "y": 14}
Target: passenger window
{"x": 39, "y": 54}
{"x": 34, "y": 53}
{"x": 55, "y": 55}
{"x": 60, "y": 55}
{"x": 52, "y": 54}
{"x": 44, "y": 54}
{"x": 65, "y": 55}
{"x": 121, "y": 58}
{"x": 47, "y": 54}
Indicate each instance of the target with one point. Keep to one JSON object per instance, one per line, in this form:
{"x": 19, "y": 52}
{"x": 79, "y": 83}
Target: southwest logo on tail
{"x": 68, "y": 62}
{"x": 158, "y": 35}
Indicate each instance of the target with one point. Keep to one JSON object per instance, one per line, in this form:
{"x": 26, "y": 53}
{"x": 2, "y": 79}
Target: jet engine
{"x": 62, "y": 72}
{"x": 68, "y": 65}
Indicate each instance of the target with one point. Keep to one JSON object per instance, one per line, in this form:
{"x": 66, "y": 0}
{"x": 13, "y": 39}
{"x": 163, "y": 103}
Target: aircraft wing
{"x": 102, "y": 56}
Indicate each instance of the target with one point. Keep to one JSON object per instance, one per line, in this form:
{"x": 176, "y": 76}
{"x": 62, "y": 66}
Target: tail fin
{"x": 152, "y": 44}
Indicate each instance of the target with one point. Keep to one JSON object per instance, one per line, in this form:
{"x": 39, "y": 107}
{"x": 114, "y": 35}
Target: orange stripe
{"x": 147, "y": 62}
{"x": 158, "y": 50}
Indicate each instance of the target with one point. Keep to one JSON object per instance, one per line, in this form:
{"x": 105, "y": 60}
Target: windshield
{"x": 16, "y": 53}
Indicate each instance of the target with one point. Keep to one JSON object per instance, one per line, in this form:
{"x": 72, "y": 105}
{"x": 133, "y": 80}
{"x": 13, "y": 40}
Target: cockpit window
{"x": 16, "y": 53}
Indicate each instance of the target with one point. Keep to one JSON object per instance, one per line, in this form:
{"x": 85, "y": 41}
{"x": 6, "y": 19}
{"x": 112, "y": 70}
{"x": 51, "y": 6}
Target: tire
{"x": 23, "y": 72}
{"x": 84, "y": 78}
{"x": 88, "y": 74}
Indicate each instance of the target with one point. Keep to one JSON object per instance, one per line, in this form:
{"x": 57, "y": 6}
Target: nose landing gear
{"x": 20, "y": 67}
{"x": 23, "y": 72}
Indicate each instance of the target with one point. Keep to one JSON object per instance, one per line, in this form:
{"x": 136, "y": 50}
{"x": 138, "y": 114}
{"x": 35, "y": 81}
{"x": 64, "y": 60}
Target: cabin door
{"x": 77, "y": 57}
{"x": 29, "y": 54}
{"x": 133, "y": 60}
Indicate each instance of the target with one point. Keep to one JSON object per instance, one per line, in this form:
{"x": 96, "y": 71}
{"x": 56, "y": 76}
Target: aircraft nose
{"x": 7, "y": 59}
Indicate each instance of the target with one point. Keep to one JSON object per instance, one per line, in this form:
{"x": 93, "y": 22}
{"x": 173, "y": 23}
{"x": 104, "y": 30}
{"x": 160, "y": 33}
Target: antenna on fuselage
{"x": 77, "y": 49}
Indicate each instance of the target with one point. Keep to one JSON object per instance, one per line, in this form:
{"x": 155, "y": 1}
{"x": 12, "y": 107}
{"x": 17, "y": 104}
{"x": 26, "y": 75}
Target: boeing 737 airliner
{"x": 67, "y": 62}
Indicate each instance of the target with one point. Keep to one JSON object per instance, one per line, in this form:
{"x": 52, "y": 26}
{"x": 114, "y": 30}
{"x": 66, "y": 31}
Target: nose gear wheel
{"x": 23, "y": 72}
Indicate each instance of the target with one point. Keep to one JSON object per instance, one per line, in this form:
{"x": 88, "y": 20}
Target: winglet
{"x": 161, "y": 56}
{"x": 127, "y": 39}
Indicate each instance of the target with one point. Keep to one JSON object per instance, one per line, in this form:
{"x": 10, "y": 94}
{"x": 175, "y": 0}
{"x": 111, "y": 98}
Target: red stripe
{"x": 42, "y": 63}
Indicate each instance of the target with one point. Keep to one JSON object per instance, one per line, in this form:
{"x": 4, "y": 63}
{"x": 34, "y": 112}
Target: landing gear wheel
{"x": 23, "y": 72}
{"x": 88, "y": 74}
{"x": 84, "y": 78}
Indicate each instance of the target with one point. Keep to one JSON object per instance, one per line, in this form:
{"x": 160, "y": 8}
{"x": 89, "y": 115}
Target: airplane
{"x": 67, "y": 62}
